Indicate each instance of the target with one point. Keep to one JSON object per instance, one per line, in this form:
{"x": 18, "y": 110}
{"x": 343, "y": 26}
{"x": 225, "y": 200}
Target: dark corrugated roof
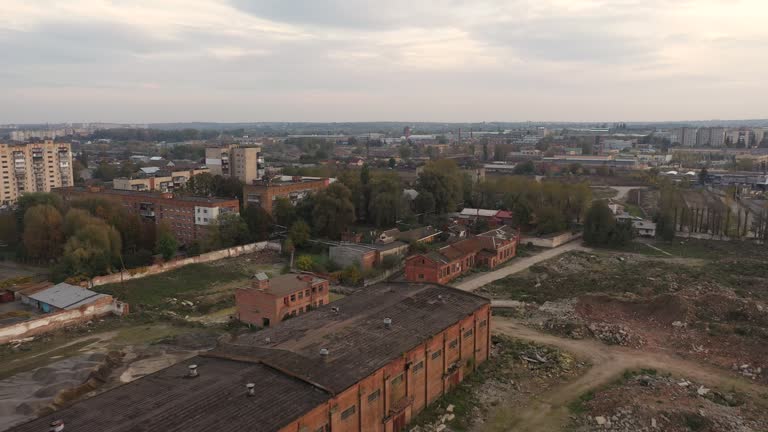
{"x": 355, "y": 336}
{"x": 215, "y": 401}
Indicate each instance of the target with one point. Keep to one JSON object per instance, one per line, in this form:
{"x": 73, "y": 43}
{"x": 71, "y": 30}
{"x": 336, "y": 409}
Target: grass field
{"x": 184, "y": 282}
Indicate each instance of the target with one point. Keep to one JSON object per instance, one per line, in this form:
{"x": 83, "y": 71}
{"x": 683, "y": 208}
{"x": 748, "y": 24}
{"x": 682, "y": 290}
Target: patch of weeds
{"x": 695, "y": 422}
{"x": 579, "y": 405}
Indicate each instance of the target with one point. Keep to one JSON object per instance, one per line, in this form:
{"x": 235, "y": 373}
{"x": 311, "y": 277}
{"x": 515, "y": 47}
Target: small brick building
{"x": 269, "y": 301}
{"x": 489, "y": 249}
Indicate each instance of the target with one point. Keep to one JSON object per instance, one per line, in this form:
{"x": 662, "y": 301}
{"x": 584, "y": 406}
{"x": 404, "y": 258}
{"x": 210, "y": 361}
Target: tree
{"x": 299, "y": 233}
{"x": 93, "y": 250}
{"x": 392, "y": 163}
{"x": 351, "y": 275}
{"x": 166, "y": 243}
{"x": 405, "y": 151}
{"x": 444, "y": 181}
{"x": 550, "y": 220}
{"x": 229, "y": 230}
{"x": 387, "y": 202}
{"x": 598, "y": 224}
{"x": 425, "y": 202}
{"x": 703, "y": 176}
{"x": 334, "y": 211}
{"x": 259, "y": 222}
{"x": 284, "y": 212}
{"x": 304, "y": 262}
{"x": 365, "y": 180}
{"x": 665, "y": 226}
{"x": 43, "y": 232}
{"x": 525, "y": 168}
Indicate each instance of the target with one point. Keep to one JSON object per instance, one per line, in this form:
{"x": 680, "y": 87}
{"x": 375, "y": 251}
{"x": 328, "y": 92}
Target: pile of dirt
{"x": 648, "y": 402}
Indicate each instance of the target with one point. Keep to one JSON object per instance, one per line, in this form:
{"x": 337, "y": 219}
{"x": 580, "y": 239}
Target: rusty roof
{"x": 352, "y": 330}
{"x": 214, "y": 401}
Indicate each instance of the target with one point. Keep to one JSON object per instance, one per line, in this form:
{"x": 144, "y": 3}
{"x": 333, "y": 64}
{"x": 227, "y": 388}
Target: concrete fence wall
{"x": 65, "y": 318}
{"x": 173, "y": 265}
{"x": 551, "y": 241}
{"x": 384, "y": 276}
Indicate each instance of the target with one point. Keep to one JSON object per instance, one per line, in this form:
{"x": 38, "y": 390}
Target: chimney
{"x": 324, "y": 353}
{"x": 193, "y": 371}
{"x": 251, "y": 389}
{"x": 57, "y": 426}
{"x": 387, "y": 323}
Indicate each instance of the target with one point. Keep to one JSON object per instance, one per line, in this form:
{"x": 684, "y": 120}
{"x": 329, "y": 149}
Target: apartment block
{"x": 268, "y": 301}
{"x": 37, "y": 167}
{"x": 188, "y": 217}
{"x": 369, "y": 362}
{"x": 161, "y": 182}
{"x": 243, "y": 163}
{"x": 264, "y": 193}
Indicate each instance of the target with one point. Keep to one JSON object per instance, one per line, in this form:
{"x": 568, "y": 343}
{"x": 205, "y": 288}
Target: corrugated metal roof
{"x": 66, "y": 296}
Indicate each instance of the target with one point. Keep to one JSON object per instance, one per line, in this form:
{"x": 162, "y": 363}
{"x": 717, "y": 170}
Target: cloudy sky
{"x": 400, "y": 60}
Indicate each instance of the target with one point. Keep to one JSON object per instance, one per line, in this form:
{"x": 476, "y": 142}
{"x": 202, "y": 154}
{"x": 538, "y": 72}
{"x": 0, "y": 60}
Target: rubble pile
{"x": 615, "y": 334}
{"x": 648, "y": 403}
{"x": 441, "y": 424}
{"x": 749, "y": 371}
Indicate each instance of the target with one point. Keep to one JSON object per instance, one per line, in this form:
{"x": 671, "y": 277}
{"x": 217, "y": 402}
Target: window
{"x": 421, "y": 275}
{"x": 454, "y": 343}
{"x": 468, "y": 333}
{"x": 293, "y": 297}
{"x": 347, "y": 413}
{"x": 374, "y": 396}
{"x": 320, "y": 288}
{"x": 301, "y": 294}
{"x": 436, "y": 354}
{"x": 306, "y": 293}
{"x": 483, "y": 323}
{"x": 320, "y": 302}
{"x": 397, "y": 380}
{"x": 314, "y": 289}
{"x": 323, "y": 428}
{"x": 301, "y": 310}
{"x": 419, "y": 366}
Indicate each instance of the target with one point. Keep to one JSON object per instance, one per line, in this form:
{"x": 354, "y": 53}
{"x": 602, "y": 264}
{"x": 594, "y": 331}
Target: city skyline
{"x": 240, "y": 61}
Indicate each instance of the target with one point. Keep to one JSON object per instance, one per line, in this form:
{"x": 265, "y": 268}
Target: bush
{"x": 351, "y": 275}
{"x": 390, "y": 261}
{"x": 305, "y": 262}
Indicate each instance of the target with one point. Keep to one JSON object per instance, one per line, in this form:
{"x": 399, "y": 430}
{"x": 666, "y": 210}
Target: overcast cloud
{"x": 365, "y": 60}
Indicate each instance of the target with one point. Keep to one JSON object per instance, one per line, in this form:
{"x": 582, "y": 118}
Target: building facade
{"x": 243, "y": 163}
{"x": 268, "y": 301}
{"x": 489, "y": 249}
{"x": 175, "y": 180}
{"x": 188, "y": 217}
{"x": 37, "y": 167}
{"x": 264, "y": 193}
{"x": 369, "y": 362}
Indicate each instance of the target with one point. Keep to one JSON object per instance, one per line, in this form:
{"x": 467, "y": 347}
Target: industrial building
{"x": 268, "y": 301}
{"x": 368, "y": 362}
{"x": 37, "y": 167}
{"x": 188, "y": 217}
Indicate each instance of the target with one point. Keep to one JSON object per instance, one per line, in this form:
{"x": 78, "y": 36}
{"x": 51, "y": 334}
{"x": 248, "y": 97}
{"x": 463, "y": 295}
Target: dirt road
{"x": 549, "y": 411}
{"x": 474, "y": 282}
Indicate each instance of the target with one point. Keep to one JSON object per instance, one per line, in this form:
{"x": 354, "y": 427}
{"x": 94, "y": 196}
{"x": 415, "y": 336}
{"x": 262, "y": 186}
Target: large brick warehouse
{"x": 368, "y": 362}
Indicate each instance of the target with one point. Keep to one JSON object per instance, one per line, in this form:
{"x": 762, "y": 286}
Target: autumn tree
{"x": 333, "y": 212}
{"x": 167, "y": 245}
{"x": 43, "y": 232}
{"x": 444, "y": 181}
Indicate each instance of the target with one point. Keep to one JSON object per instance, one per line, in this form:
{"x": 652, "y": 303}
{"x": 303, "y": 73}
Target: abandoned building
{"x": 269, "y": 301}
{"x": 368, "y": 362}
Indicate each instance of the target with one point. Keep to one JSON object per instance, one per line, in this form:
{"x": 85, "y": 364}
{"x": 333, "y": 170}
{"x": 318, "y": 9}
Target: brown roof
{"x": 289, "y": 283}
{"x": 355, "y": 336}
{"x": 214, "y": 401}
{"x": 417, "y": 234}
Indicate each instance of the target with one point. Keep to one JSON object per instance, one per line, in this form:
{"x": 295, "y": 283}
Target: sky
{"x": 147, "y": 61}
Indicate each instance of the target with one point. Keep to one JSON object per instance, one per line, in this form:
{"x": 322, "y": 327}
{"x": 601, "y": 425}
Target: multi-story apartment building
{"x": 264, "y": 193}
{"x": 369, "y": 362}
{"x": 164, "y": 181}
{"x": 244, "y": 163}
{"x": 37, "y": 167}
{"x": 188, "y": 217}
{"x": 687, "y": 136}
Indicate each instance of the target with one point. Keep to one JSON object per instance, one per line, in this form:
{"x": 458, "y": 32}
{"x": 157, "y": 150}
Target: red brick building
{"x": 268, "y": 301}
{"x": 264, "y": 193}
{"x": 368, "y": 363}
{"x": 489, "y": 249}
{"x": 188, "y": 217}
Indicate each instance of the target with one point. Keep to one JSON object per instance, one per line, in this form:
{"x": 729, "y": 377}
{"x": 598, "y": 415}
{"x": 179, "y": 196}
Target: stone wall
{"x": 173, "y": 265}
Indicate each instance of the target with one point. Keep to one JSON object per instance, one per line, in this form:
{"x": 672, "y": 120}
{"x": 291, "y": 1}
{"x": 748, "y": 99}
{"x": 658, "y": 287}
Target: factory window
{"x": 419, "y": 366}
{"x": 374, "y": 396}
{"x": 454, "y": 343}
{"x": 468, "y": 333}
{"x": 483, "y": 323}
{"x": 293, "y": 297}
{"x": 436, "y": 354}
{"x": 347, "y": 413}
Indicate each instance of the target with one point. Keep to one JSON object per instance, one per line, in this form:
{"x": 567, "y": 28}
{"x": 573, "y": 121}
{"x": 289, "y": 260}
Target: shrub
{"x": 305, "y": 263}
{"x": 351, "y": 275}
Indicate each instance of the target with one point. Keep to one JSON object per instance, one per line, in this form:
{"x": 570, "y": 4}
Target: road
{"x": 549, "y": 411}
{"x": 474, "y": 282}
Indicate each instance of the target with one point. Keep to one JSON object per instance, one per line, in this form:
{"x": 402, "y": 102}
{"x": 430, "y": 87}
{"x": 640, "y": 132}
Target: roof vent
{"x": 387, "y": 323}
{"x": 324, "y": 352}
{"x": 251, "y": 389}
{"x": 268, "y": 339}
{"x": 57, "y": 426}
{"x": 193, "y": 371}
{"x": 335, "y": 309}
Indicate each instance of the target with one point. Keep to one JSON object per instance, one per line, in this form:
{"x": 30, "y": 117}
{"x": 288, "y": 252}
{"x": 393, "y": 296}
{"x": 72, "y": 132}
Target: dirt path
{"x": 475, "y": 282}
{"x": 549, "y": 411}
